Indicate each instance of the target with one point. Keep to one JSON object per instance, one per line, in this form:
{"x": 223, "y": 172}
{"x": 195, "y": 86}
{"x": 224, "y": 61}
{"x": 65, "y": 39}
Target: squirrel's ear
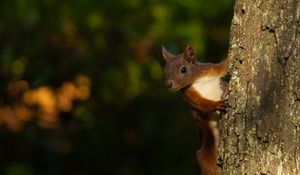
{"x": 190, "y": 54}
{"x": 166, "y": 54}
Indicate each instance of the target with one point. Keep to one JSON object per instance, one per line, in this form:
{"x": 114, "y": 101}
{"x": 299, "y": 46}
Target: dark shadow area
{"x": 82, "y": 87}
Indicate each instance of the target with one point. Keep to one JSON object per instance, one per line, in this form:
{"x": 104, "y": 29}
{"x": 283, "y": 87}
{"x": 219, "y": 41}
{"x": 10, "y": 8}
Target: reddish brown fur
{"x": 207, "y": 154}
{"x": 207, "y": 69}
{"x": 200, "y": 103}
{"x": 203, "y": 109}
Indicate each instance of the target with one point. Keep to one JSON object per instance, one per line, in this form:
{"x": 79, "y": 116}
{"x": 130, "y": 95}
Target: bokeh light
{"x": 82, "y": 85}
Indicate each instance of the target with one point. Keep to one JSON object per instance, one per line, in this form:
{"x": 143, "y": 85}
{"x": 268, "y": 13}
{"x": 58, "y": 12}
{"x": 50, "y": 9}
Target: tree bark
{"x": 260, "y": 134}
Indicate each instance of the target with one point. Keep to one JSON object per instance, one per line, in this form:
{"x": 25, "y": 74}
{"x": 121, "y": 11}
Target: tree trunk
{"x": 260, "y": 134}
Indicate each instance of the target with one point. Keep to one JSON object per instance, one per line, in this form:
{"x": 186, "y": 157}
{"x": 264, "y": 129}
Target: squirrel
{"x": 202, "y": 86}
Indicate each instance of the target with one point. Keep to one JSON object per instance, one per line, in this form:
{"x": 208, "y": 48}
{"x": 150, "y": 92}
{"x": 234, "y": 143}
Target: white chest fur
{"x": 209, "y": 87}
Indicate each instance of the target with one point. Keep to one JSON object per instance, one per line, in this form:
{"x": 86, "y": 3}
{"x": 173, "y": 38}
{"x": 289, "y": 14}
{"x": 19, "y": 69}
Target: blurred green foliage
{"x": 130, "y": 124}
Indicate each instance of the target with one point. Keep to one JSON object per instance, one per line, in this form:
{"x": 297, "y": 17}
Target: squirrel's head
{"x": 179, "y": 68}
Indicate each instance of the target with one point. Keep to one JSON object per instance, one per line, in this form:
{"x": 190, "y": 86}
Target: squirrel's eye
{"x": 183, "y": 70}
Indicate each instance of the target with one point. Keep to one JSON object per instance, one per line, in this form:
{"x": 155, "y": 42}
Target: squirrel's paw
{"x": 222, "y": 105}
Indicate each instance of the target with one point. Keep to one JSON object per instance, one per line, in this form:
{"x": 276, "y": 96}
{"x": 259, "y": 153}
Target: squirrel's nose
{"x": 169, "y": 83}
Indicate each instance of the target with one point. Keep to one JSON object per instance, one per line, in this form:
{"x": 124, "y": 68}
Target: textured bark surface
{"x": 260, "y": 134}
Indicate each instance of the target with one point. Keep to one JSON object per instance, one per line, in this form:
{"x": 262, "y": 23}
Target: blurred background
{"x": 82, "y": 87}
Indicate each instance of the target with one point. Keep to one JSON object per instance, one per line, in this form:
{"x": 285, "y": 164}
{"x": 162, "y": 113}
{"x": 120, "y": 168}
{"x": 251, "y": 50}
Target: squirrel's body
{"x": 205, "y": 92}
{"x": 202, "y": 87}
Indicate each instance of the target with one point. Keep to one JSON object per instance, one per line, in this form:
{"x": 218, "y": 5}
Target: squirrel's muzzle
{"x": 172, "y": 85}
{"x": 169, "y": 84}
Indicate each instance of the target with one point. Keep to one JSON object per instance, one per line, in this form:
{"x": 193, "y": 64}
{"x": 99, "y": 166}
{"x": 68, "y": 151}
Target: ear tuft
{"x": 190, "y": 54}
{"x": 166, "y": 54}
